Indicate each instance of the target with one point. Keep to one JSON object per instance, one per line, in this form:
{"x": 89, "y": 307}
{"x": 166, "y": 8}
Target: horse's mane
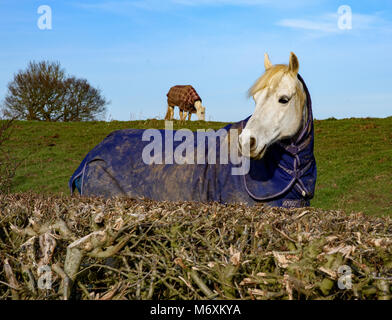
{"x": 270, "y": 78}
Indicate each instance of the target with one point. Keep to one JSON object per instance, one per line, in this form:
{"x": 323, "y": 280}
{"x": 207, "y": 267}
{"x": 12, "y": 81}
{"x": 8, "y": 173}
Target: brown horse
{"x": 187, "y": 100}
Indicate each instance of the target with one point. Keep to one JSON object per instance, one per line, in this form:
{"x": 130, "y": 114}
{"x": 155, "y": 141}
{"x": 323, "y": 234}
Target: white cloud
{"x": 323, "y": 26}
{"x": 328, "y": 23}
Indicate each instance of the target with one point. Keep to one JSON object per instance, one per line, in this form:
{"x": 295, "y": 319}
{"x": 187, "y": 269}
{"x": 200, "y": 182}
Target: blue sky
{"x": 136, "y": 50}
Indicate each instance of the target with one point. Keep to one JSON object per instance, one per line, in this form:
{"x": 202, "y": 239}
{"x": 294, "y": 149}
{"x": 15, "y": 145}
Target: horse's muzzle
{"x": 248, "y": 147}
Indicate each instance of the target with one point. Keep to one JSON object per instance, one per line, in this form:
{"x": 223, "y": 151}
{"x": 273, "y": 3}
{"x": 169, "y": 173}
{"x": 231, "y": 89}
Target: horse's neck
{"x": 305, "y": 117}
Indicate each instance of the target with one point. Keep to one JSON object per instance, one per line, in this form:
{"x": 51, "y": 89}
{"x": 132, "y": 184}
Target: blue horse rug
{"x": 284, "y": 177}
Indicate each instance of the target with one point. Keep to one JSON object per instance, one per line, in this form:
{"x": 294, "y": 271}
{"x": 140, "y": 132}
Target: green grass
{"x": 354, "y": 158}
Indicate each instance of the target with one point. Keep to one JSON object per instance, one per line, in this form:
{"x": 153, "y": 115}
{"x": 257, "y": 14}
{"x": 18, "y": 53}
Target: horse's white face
{"x": 279, "y": 109}
{"x": 200, "y": 111}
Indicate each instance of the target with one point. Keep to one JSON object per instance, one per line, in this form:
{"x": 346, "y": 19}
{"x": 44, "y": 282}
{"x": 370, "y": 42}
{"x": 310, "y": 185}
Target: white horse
{"x": 284, "y": 176}
{"x": 280, "y": 108}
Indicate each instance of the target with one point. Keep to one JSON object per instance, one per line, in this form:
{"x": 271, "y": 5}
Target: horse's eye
{"x": 284, "y": 100}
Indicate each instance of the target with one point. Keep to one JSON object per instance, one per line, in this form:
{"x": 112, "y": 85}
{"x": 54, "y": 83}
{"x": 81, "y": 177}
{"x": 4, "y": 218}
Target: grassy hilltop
{"x": 354, "y": 158}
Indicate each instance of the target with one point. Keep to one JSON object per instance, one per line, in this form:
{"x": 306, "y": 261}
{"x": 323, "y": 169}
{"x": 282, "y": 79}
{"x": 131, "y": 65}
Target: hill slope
{"x": 354, "y": 158}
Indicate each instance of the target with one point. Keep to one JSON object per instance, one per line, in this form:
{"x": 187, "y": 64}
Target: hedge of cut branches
{"x": 79, "y": 248}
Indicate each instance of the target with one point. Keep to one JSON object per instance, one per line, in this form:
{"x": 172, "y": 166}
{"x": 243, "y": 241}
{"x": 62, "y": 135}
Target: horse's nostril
{"x": 252, "y": 142}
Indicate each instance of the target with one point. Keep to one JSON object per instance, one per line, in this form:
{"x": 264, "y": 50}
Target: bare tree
{"x": 84, "y": 102}
{"x": 44, "y": 92}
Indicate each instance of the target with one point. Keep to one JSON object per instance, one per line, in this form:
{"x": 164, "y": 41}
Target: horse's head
{"x": 280, "y": 100}
{"x": 200, "y": 111}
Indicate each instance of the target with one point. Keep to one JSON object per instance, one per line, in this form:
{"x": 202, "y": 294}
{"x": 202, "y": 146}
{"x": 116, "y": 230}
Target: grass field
{"x": 354, "y": 158}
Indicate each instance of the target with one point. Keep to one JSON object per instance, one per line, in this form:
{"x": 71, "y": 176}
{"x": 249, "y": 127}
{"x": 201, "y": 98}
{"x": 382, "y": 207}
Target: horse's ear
{"x": 294, "y": 64}
{"x": 267, "y": 62}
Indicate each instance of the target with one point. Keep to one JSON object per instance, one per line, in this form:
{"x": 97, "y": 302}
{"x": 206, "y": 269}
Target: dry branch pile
{"x": 77, "y": 248}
